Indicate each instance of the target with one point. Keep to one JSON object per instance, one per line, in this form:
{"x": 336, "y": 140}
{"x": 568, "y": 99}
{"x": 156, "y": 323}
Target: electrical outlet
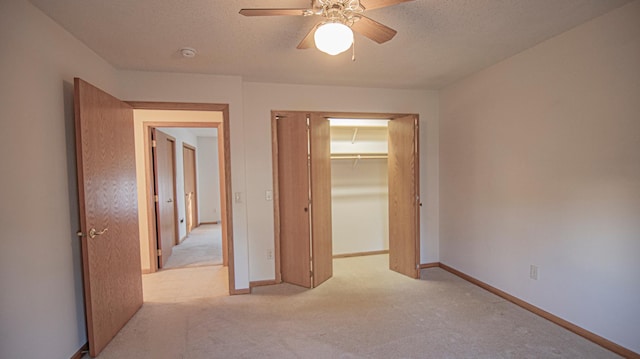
{"x": 533, "y": 272}
{"x": 269, "y": 253}
{"x": 268, "y": 195}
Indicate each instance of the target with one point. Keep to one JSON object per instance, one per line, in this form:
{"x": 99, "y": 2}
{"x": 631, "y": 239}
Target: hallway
{"x": 203, "y": 247}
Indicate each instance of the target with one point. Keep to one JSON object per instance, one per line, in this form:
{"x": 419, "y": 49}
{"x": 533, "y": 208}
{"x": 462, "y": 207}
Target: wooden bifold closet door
{"x": 304, "y": 198}
{"x": 303, "y": 177}
{"x": 404, "y": 199}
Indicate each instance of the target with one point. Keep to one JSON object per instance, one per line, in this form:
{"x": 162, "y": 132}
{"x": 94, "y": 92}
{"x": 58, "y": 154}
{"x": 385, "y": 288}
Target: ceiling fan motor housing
{"x": 340, "y": 11}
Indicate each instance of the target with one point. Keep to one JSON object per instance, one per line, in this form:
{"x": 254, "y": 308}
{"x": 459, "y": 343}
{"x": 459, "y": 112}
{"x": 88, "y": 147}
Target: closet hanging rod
{"x": 352, "y": 156}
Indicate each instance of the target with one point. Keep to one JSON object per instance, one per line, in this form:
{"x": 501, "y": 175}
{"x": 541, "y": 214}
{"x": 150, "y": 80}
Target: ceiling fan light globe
{"x": 333, "y": 38}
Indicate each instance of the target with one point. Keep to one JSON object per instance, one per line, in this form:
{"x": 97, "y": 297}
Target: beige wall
{"x": 359, "y": 205}
{"x": 176, "y": 87}
{"x": 575, "y": 96}
{"x": 261, "y": 98}
{"x": 41, "y": 302}
{"x": 208, "y": 180}
{"x": 540, "y": 164}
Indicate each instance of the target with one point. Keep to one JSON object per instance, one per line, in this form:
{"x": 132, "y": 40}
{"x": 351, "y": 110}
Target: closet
{"x": 359, "y": 187}
{"x": 303, "y": 157}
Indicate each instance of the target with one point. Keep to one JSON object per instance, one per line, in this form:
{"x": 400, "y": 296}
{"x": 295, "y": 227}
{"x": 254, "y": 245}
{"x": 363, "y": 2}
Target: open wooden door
{"x": 320, "y": 182}
{"x": 108, "y": 213}
{"x": 404, "y": 200}
{"x": 190, "y": 187}
{"x": 293, "y": 195}
{"x": 165, "y": 189}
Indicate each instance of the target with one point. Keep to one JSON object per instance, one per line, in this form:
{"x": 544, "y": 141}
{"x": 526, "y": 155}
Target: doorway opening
{"x": 376, "y": 210}
{"x": 113, "y": 173}
{"x": 359, "y": 187}
{"x": 199, "y": 145}
{"x": 186, "y": 182}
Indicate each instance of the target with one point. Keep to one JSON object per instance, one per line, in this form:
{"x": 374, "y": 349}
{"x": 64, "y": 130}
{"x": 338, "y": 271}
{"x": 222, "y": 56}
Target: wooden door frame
{"x": 175, "y": 189}
{"x": 274, "y": 162}
{"x": 224, "y": 153}
{"x": 196, "y": 218}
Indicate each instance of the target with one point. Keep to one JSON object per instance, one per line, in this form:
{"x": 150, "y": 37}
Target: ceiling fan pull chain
{"x": 353, "y": 51}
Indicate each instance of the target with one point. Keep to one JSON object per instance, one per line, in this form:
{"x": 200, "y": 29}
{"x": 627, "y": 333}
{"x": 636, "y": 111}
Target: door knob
{"x": 169, "y": 200}
{"x": 92, "y": 233}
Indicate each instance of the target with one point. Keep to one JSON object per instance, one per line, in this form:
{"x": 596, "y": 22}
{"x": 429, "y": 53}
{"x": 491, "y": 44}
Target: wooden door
{"x": 404, "y": 210}
{"x": 165, "y": 188}
{"x": 108, "y": 213}
{"x": 190, "y": 192}
{"x": 320, "y": 182}
{"x": 293, "y": 195}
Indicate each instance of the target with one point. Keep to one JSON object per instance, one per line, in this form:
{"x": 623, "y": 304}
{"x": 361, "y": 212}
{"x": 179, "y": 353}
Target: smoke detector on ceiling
{"x": 188, "y": 52}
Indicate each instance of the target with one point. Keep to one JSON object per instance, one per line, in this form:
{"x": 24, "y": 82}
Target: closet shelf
{"x": 356, "y": 156}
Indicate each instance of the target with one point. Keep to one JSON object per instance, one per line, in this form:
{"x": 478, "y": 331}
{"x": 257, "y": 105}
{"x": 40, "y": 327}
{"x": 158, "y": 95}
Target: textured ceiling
{"x": 438, "y": 41}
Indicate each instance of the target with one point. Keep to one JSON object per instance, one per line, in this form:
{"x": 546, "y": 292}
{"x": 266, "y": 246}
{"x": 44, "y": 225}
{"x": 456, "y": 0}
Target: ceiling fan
{"x": 334, "y": 33}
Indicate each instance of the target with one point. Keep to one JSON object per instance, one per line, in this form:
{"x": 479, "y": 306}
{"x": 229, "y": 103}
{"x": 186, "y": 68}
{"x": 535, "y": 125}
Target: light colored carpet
{"x": 364, "y": 311}
{"x": 202, "y": 247}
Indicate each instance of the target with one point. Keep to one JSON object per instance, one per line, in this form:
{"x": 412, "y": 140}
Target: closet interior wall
{"x": 359, "y": 186}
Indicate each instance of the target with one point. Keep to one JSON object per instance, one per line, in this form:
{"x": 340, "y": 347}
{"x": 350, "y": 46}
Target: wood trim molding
{"x": 225, "y": 155}
{"x": 240, "y": 291}
{"x": 81, "y": 352}
{"x": 179, "y": 124}
{"x": 196, "y": 214}
{"x": 605, "y": 343}
{"x": 260, "y": 283}
{"x": 275, "y": 114}
{"x": 360, "y": 254}
{"x": 363, "y": 115}
{"x": 213, "y": 222}
{"x": 276, "y": 195}
{"x": 429, "y": 265}
{"x": 185, "y": 106}
{"x": 151, "y": 204}
{"x": 176, "y": 228}
{"x": 226, "y": 206}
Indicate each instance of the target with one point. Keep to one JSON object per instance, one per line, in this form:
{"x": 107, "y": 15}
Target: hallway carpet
{"x": 364, "y": 311}
{"x": 202, "y": 247}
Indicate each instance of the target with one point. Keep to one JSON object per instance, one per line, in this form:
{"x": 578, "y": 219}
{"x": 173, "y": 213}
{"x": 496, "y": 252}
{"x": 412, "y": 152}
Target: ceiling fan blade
{"x": 308, "y": 41}
{"x": 273, "y": 12}
{"x": 373, "y": 29}
{"x": 376, "y": 4}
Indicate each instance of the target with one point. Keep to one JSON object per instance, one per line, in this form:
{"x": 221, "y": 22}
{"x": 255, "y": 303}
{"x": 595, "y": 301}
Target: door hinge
{"x": 154, "y": 143}
{"x": 159, "y": 252}
{"x": 156, "y": 198}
